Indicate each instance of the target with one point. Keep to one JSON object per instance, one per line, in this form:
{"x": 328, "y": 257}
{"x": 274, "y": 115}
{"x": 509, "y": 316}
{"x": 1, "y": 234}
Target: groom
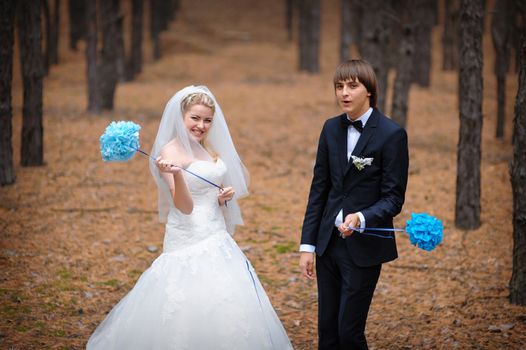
{"x": 359, "y": 182}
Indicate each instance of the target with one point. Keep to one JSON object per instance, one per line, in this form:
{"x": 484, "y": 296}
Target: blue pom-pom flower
{"x": 425, "y": 231}
{"x": 120, "y": 141}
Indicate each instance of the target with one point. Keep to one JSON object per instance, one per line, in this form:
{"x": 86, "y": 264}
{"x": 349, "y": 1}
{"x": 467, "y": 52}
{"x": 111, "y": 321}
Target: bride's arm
{"x": 181, "y": 195}
{"x": 179, "y": 191}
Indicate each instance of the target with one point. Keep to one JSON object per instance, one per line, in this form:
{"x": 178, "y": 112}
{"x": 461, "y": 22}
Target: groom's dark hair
{"x": 361, "y": 70}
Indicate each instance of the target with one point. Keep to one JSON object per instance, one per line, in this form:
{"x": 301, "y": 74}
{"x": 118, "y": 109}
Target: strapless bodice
{"x": 207, "y": 218}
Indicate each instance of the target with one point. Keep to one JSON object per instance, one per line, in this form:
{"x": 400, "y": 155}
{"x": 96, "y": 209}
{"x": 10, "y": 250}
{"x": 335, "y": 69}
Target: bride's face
{"x": 198, "y": 120}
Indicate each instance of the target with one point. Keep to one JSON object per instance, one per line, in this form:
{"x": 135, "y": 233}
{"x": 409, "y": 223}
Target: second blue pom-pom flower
{"x": 425, "y": 231}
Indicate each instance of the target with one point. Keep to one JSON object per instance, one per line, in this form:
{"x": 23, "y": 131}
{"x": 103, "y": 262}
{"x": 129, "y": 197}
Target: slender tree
{"x": 450, "y": 35}
{"x": 404, "y": 68}
{"x": 110, "y": 17}
{"x": 376, "y": 28}
{"x": 395, "y": 29}
{"x": 309, "y": 35}
{"x": 51, "y": 20}
{"x": 436, "y": 12}
{"x": 426, "y": 10}
{"x": 134, "y": 65}
{"x": 467, "y": 209}
{"x": 174, "y": 9}
{"x": 47, "y": 25}
{"x": 7, "y": 170}
{"x": 54, "y": 34}
{"x": 501, "y": 33}
{"x": 519, "y": 26}
{"x": 289, "y": 15}
{"x": 156, "y": 24}
{"x": 120, "y": 56}
{"x": 357, "y": 10}
{"x": 518, "y": 183}
{"x": 77, "y": 21}
{"x": 92, "y": 68}
{"x": 345, "y": 30}
{"x": 161, "y": 13}
{"x": 32, "y": 62}
{"x": 166, "y": 13}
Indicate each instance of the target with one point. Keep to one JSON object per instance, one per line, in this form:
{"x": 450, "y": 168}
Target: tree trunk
{"x": 54, "y": 34}
{"x": 7, "y": 170}
{"x": 436, "y": 10}
{"x": 47, "y": 25}
{"x": 165, "y": 13}
{"x": 119, "y": 45}
{"x": 155, "y": 28}
{"x": 450, "y": 36}
{"x": 357, "y": 9}
{"x": 32, "y": 62}
{"x": 78, "y": 21}
{"x": 345, "y": 42}
{"x": 519, "y": 26}
{"x": 309, "y": 40}
{"x": 52, "y": 19}
{"x": 518, "y": 184}
{"x": 289, "y": 15}
{"x": 108, "y": 68}
{"x": 174, "y": 9}
{"x": 134, "y": 65}
{"x": 394, "y": 28}
{"x": 467, "y": 208}
{"x": 422, "y": 63}
{"x": 375, "y": 41}
{"x": 92, "y": 69}
{"x": 501, "y": 31}
{"x": 402, "y": 83}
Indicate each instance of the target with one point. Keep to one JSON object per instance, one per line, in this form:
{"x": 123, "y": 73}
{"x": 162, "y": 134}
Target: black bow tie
{"x": 357, "y": 124}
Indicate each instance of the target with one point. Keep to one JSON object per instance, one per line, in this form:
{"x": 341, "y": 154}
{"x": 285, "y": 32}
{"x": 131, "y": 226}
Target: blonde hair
{"x": 200, "y": 98}
{"x": 197, "y": 98}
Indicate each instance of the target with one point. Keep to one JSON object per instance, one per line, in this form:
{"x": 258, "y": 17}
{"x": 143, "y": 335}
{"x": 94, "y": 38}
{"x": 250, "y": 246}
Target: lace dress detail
{"x": 200, "y": 293}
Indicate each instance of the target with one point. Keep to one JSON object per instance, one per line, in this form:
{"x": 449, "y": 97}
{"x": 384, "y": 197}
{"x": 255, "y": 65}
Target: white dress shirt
{"x": 352, "y": 138}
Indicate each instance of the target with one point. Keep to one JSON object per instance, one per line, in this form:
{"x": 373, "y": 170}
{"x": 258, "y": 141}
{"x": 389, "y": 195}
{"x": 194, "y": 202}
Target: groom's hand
{"x": 307, "y": 265}
{"x": 351, "y": 220}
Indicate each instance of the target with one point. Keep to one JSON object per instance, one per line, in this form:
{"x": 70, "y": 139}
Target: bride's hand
{"x": 225, "y": 194}
{"x": 166, "y": 167}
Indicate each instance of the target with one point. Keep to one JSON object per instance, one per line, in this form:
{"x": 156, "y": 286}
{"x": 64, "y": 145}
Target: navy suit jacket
{"x": 378, "y": 190}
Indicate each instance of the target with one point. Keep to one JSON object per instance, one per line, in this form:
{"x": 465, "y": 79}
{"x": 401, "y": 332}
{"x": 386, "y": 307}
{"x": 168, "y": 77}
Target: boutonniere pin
{"x": 360, "y": 162}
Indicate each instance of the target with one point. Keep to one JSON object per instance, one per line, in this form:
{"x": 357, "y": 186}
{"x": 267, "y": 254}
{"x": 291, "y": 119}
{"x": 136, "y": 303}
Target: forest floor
{"x": 76, "y": 233}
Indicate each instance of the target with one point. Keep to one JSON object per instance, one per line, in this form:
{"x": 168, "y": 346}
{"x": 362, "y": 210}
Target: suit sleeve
{"x": 395, "y": 164}
{"x": 319, "y": 191}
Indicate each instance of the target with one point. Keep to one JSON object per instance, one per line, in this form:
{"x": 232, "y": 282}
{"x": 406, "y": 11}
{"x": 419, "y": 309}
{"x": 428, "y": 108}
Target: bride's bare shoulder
{"x": 173, "y": 147}
{"x": 174, "y": 151}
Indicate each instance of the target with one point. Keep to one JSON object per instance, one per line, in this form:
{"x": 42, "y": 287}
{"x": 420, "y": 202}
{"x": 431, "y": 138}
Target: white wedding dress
{"x": 201, "y": 293}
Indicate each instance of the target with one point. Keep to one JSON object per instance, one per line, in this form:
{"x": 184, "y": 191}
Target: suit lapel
{"x": 367, "y": 133}
{"x": 341, "y": 139}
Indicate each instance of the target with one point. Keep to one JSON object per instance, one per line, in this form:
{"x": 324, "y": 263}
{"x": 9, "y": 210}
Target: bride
{"x": 201, "y": 293}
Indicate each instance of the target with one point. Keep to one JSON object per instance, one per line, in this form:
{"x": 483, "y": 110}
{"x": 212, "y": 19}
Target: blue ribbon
{"x": 384, "y": 229}
{"x": 188, "y": 171}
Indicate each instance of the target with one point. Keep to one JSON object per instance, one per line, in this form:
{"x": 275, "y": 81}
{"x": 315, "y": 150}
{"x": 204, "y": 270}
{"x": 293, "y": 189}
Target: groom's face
{"x": 352, "y": 97}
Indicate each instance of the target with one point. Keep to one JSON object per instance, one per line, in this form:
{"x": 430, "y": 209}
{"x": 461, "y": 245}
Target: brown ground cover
{"x": 77, "y": 233}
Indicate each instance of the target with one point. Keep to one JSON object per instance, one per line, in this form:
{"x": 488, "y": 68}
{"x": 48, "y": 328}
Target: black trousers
{"x": 345, "y": 291}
